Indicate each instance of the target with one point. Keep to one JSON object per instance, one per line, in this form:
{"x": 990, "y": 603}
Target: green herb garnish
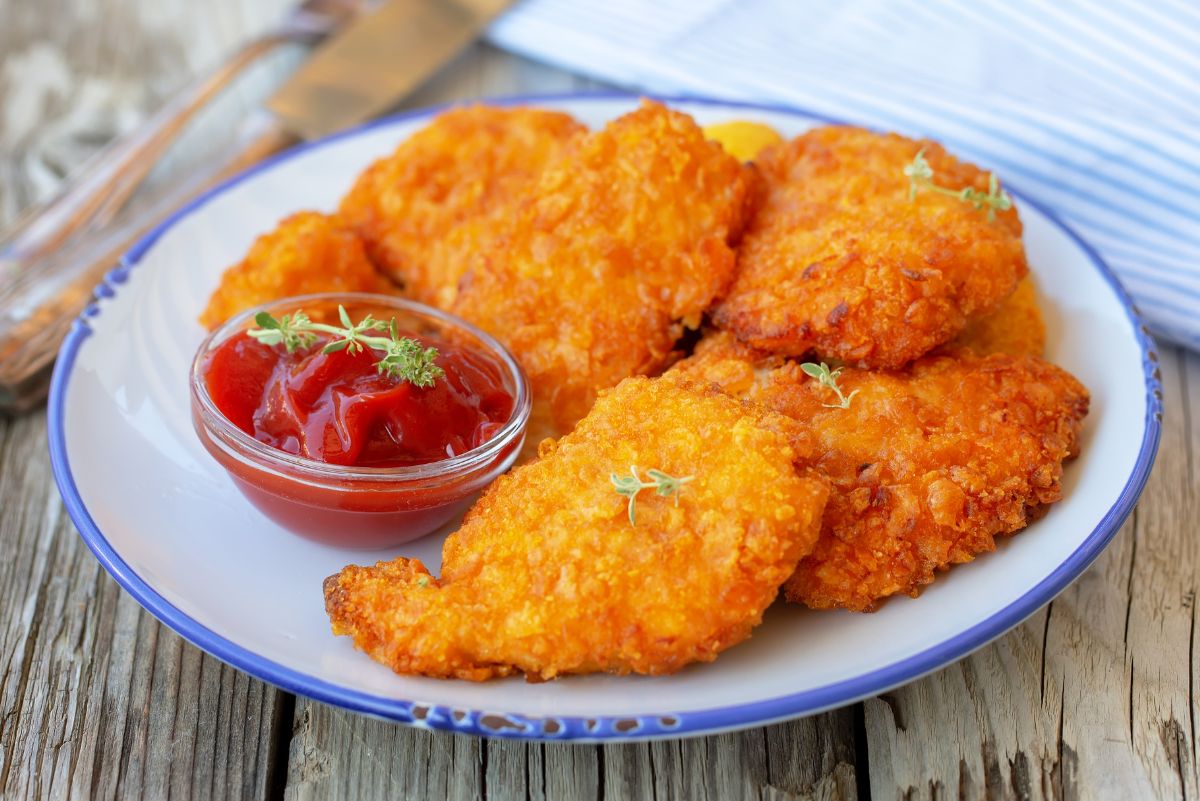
{"x": 920, "y": 176}
{"x": 660, "y": 482}
{"x": 828, "y": 378}
{"x": 403, "y": 357}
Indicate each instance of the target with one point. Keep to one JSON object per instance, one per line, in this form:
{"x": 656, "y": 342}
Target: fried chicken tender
{"x": 928, "y": 464}
{"x": 307, "y": 252}
{"x": 622, "y": 244}
{"x": 422, "y": 210}
{"x": 547, "y": 575}
{"x": 1014, "y": 327}
{"x": 841, "y": 261}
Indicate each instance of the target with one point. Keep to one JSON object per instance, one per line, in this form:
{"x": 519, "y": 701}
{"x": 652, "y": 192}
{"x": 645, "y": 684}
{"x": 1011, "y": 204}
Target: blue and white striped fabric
{"x": 1092, "y": 108}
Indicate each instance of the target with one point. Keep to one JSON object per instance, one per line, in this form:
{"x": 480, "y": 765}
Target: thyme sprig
{"x": 828, "y": 378}
{"x": 403, "y": 357}
{"x": 920, "y": 176}
{"x": 660, "y": 482}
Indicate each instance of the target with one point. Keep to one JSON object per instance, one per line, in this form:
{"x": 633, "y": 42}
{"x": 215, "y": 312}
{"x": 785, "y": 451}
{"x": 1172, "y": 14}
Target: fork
{"x": 54, "y": 255}
{"x": 94, "y": 195}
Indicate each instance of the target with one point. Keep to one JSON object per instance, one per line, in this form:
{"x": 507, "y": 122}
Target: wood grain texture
{"x": 336, "y": 754}
{"x": 97, "y": 700}
{"x": 1091, "y": 698}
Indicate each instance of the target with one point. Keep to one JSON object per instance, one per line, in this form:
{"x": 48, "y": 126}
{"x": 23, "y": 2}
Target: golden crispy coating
{"x": 422, "y": 210}
{"x": 928, "y": 465}
{"x": 840, "y": 261}
{"x": 721, "y": 358}
{"x": 307, "y": 252}
{"x": 622, "y": 244}
{"x": 1014, "y": 327}
{"x": 547, "y": 575}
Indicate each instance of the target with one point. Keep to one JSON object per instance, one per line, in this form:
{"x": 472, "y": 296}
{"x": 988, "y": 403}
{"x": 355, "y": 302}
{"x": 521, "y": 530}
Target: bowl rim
{"x": 601, "y": 727}
{"x": 245, "y": 448}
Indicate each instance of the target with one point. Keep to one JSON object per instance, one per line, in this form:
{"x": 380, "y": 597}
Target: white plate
{"x": 165, "y": 520}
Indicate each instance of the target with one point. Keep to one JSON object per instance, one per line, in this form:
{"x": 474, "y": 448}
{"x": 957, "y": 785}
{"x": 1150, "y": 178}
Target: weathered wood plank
{"x": 335, "y": 754}
{"x": 1092, "y": 697}
{"x": 1161, "y": 613}
{"x": 97, "y": 700}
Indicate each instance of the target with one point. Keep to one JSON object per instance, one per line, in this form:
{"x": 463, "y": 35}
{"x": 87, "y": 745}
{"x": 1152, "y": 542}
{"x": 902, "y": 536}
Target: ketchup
{"x": 337, "y": 408}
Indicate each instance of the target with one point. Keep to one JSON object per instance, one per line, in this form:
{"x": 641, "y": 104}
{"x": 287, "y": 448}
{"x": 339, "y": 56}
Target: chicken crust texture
{"x": 423, "y": 210}
{"x": 841, "y": 261}
{"x": 623, "y": 243}
{"x": 307, "y": 252}
{"x": 1014, "y": 327}
{"x": 928, "y": 465}
{"x": 547, "y": 576}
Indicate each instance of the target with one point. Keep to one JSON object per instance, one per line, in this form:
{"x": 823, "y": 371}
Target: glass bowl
{"x": 360, "y": 507}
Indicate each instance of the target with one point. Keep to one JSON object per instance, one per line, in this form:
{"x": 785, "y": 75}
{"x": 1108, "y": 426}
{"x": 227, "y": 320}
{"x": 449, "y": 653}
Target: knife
{"x": 380, "y": 58}
{"x": 373, "y": 63}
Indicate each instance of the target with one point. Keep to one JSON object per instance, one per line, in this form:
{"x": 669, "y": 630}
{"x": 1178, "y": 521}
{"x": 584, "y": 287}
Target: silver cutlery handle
{"x": 39, "y": 306}
{"x": 96, "y": 192}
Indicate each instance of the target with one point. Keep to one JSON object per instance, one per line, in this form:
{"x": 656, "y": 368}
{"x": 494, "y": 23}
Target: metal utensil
{"x": 380, "y": 58}
{"x": 374, "y": 61}
{"x": 99, "y": 189}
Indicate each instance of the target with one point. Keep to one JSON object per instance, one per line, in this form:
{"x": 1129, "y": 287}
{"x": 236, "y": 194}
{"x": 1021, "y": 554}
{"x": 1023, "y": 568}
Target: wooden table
{"x": 1090, "y": 698}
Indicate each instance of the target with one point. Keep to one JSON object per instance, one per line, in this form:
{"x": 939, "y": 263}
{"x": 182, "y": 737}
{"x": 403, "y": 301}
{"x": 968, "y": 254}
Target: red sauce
{"x": 337, "y": 408}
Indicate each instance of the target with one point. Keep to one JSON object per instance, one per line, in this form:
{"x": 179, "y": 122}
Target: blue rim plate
{"x": 496, "y": 719}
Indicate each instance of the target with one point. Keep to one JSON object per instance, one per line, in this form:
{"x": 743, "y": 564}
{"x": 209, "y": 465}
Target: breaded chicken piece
{"x": 421, "y": 210}
{"x": 307, "y": 252}
{"x": 928, "y": 464}
{"x": 840, "y": 261}
{"x": 1014, "y": 327}
{"x": 622, "y": 244}
{"x": 547, "y": 575}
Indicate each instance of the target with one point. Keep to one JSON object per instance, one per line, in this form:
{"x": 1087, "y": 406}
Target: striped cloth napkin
{"x": 1092, "y": 108}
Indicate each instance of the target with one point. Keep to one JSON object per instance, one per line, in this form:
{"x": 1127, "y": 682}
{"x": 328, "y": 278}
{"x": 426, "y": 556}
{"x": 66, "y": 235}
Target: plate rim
{"x": 599, "y": 728}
